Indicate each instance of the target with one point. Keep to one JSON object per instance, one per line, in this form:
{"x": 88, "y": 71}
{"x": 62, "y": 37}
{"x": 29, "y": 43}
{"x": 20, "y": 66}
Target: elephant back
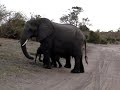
{"x": 64, "y": 32}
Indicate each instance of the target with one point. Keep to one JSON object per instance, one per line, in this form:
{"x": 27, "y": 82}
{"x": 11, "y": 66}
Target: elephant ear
{"x": 44, "y": 31}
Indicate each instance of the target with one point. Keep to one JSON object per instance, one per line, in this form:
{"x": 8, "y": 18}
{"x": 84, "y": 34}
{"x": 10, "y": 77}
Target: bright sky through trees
{"x": 103, "y": 14}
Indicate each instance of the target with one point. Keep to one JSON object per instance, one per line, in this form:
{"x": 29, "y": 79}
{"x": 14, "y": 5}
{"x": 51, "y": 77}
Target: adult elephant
{"x": 58, "y": 39}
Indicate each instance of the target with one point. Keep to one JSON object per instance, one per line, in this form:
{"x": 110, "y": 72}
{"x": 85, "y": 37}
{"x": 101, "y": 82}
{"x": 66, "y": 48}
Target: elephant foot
{"x": 67, "y": 66}
{"x": 47, "y": 66}
{"x": 77, "y": 71}
{"x": 55, "y": 66}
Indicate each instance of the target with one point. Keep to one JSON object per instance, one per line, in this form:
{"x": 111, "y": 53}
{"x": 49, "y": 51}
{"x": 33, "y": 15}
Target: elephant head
{"x": 39, "y": 28}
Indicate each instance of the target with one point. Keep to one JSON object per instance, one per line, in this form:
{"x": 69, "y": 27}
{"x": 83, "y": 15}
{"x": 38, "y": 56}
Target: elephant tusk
{"x": 25, "y": 43}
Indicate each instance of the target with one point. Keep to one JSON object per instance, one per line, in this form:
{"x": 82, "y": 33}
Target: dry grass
{"x": 12, "y": 59}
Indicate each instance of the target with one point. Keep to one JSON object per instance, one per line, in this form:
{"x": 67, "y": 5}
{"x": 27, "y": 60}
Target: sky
{"x": 103, "y": 14}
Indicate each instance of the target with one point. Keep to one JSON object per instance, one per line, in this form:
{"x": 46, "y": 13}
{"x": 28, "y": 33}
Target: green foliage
{"x": 84, "y": 28}
{"x": 111, "y": 40}
{"x": 94, "y": 37}
{"x": 11, "y": 24}
{"x": 111, "y": 37}
{"x": 72, "y": 16}
{"x": 13, "y": 27}
{"x": 103, "y": 41}
{"x": 35, "y": 17}
{"x": 3, "y": 13}
{"x": 85, "y": 21}
{"x": 98, "y": 37}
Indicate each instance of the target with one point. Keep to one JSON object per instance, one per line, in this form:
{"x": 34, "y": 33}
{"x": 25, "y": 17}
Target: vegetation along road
{"x": 19, "y": 73}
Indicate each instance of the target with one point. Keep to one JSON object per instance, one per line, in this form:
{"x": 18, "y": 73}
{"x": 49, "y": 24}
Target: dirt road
{"x": 19, "y": 73}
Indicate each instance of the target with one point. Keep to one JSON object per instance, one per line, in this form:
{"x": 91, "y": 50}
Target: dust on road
{"x": 19, "y": 73}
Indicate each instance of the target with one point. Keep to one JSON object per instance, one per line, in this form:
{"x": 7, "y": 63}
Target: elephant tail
{"x": 86, "y": 58}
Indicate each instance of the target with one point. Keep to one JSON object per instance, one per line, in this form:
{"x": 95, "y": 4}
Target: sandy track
{"x": 19, "y": 73}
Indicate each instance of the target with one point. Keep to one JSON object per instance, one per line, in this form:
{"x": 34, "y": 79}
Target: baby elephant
{"x": 40, "y": 51}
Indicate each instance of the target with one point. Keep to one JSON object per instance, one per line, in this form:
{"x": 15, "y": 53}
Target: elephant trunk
{"x": 23, "y": 47}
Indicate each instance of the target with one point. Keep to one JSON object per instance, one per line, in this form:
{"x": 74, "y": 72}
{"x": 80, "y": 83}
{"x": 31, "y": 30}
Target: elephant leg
{"x": 46, "y": 61}
{"x": 40, "y": 58}
{"x": 46, "y": 52}
{"x": 36, "y": 57}
{"x": 60, "y": 65}
{"x": 68, "y": 64}
{"x": 58, "y": 61}
{"x": 78, "y": 68}
{"x": 53, "y": 63}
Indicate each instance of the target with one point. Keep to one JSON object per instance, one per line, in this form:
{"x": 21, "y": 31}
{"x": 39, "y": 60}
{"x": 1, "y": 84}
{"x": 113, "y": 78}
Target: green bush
{"x": 94, "y": 37}
{"x": 103, "y": 41}
{"x": 13, "y": 27}
{"x": 111, "y": 40}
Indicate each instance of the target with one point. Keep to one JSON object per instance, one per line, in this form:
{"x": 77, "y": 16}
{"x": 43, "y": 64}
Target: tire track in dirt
{"x": 102, "y": 76}
{"x": 102, "y": 68}
{"x": 112, "y": 75}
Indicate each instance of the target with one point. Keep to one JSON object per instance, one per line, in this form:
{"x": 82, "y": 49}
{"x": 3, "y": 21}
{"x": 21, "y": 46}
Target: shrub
{"x": 94, "y": 37}
{"x": 103, "y": 41}
{"x": 13, "y": 26}
{"x": 111, "y": 40}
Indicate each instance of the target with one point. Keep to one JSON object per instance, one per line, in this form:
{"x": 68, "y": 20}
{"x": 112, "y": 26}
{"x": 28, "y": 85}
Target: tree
{"x": 13, "y": 27}
{"x": 35, "y": 16}
{"x": 85, "y": 21}
{"x": 84, "y": 28}
{"x": 118, "y": 30}
{"x": 3, "y": 13}
{"x": 72, "y": 16}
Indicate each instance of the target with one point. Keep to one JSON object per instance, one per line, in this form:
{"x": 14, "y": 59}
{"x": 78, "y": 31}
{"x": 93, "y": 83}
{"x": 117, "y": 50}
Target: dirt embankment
{"x": 19, "y": 73}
